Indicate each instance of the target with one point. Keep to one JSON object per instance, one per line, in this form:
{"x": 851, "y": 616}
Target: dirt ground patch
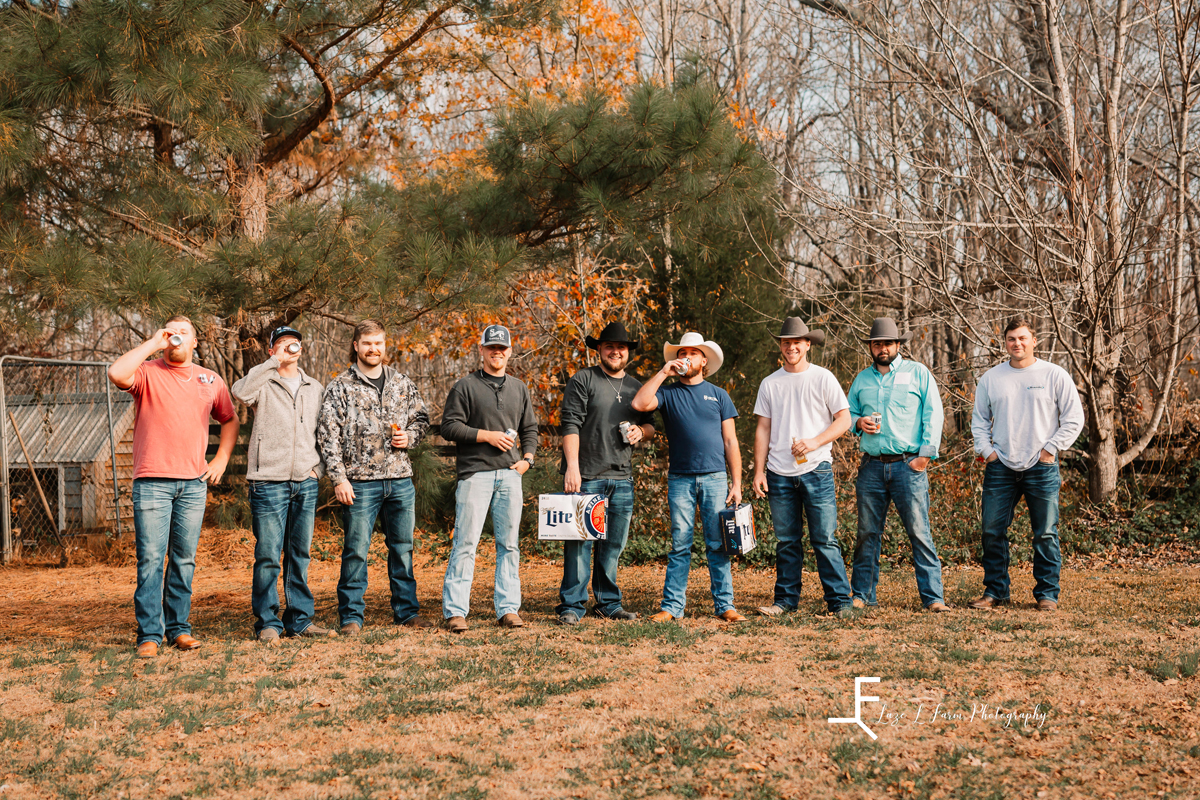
{"x": 1098, "y": 700}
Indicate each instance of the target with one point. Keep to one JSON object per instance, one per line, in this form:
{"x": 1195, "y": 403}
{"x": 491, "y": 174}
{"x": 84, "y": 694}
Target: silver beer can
{"x": 293, "y": 348}
{"x": 511, "y": 433}
{"x": 687, "y": 365}
{"x": 175, "y": 340}
{"x": 877, "y": 418}
{"x": 624, "y": 429}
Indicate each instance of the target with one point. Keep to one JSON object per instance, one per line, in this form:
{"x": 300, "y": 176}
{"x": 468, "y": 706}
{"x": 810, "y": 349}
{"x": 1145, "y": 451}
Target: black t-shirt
{"x": 378, "y": 382}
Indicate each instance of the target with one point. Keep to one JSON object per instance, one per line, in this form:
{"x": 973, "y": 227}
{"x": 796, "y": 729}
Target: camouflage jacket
{"x": 354, "y": 430}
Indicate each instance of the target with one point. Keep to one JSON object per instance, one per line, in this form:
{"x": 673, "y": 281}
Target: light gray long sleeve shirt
{"x": 1020, "y": 412}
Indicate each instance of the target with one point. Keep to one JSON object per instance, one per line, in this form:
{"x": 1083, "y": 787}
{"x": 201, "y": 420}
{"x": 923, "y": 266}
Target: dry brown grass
{"x": 603, "y": 710}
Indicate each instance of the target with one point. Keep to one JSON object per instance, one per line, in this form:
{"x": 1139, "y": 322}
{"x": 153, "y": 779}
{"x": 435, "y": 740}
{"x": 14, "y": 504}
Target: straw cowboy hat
{"x": 613, "y": 332}
{"x": 884, "y": 329}
{"x": 794, "y": 328}
{"x": 711, "y": 350}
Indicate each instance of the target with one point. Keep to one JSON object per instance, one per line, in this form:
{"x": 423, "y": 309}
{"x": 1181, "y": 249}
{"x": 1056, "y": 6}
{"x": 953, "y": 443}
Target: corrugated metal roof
{"x": 64, "y": 428}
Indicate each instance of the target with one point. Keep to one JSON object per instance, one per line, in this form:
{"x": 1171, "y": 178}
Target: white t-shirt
{"x": 293, "y": 384}
{"x": 800, "y": 405}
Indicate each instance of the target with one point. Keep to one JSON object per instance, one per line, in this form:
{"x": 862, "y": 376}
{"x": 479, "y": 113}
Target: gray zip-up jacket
{"x": 355, "y": 428}
{"x": 283, "y": 443}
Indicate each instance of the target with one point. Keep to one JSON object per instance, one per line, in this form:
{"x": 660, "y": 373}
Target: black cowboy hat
{"x": 613, "y": 332}
{"x": 794, "y": 328}
{"x": 884, "y": 329}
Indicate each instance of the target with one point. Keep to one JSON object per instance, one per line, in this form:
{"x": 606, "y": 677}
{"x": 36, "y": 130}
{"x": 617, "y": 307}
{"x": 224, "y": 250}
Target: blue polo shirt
{"x": 908, "y": 398}
{"x": 692, "y": 417}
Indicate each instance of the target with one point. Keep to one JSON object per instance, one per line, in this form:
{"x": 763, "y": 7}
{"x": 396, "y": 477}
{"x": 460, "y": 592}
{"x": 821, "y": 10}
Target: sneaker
{"x": 568, "y": 618}
{"x": 510, "y": 620}
{"x": 456, "y": 624}
{"x": 351, "y": 629}
{"x": 315, "y": 631}
{"x": 269, "y": 637}
{"x": 620, "y": 614}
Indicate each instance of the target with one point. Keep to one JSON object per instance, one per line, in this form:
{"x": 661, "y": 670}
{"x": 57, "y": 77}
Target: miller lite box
{"x": 737, "y": 529}
{"x": 572, "y": 517}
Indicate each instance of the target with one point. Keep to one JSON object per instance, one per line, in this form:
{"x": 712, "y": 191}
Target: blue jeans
{"x": 1002, "y": 488}
{"x": 394, "y": 501}
{"x": 794, "y": 499}
{"x": 878, "y": 485}
{"x": 167, "y": 517}
{"x": 283, "y": 514}
{"x": 577, "y": 556}
{"x": 689, "y": 495}
{"x": 499, "y": 490}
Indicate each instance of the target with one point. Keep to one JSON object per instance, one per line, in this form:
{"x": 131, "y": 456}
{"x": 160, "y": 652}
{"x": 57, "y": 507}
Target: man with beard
{"x": 489, "y": 416}
{"x": 371, "y": 416}
{"x": 897, "y": 444}
{"x": 598, "y": 459}
{"x": 174, "y": 400}
{"x": 698, "y": 418}
{"x": 801, "y": 409}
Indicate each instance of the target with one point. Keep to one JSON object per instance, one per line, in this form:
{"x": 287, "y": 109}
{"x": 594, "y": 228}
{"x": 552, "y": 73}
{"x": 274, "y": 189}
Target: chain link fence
{"x": 66, "y": 457}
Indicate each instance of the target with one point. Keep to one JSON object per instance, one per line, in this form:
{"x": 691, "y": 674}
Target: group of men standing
{"x": 359, "y": 431}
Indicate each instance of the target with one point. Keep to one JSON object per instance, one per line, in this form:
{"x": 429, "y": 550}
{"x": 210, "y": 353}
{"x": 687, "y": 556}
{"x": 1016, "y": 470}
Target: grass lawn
{"x": 1098, "y": 700}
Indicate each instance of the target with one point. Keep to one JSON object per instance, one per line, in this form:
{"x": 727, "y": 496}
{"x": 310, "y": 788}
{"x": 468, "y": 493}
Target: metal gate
{"x": 63, "y": 455}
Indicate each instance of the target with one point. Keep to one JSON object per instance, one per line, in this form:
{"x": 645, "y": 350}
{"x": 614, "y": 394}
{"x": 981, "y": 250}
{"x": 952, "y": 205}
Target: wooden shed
{"x": 67, "y": 437}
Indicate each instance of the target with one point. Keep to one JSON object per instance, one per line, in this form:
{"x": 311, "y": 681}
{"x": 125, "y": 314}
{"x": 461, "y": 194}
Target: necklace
{"x": 191, "y": 371}
{"x": 616, "y": 389}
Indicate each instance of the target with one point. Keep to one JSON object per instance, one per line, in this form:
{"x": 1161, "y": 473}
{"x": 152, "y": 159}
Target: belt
{"x": 891, "y": 458}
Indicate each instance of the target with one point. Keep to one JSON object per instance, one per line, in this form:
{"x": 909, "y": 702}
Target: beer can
{"x": 293, "y": 347}
{"x": 877, "y": 418}
{"x": 624, "y": 429}
{"x": 511, "y": 433}
{"x": 175, "y": 340}
{"x": 687, "y": 365}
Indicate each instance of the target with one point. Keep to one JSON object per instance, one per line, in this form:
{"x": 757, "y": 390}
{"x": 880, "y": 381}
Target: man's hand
{"x": 344, "y": 493}
{"x": 802, "y": 447}
{"x": 676, "y": 367}
{"x": 521, "y": 467}
{"x": 994, "y": 456}
{"x": 867, "y": 425}
{"x": 161, "y": 339}
{"x": 215, "y": 470}
{"x": 497, "y": 439}
{"x": 399, "y": 438}
{"x": 285, "y": 358}
{"x": 1045, "y": 457}
{"x": 759, "y": 484}
{"x": 920, "y": 463}
{"x": 635, "y": 434}
{"x": 735, "y": 496}
{"x": 572, "y": 480}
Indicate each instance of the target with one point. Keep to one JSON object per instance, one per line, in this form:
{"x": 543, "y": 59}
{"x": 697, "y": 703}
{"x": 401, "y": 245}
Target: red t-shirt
{"x": 173, "y": 407}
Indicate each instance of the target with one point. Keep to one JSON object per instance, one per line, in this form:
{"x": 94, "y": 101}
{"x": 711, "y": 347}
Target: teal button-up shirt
{"x": 908, "y": 398}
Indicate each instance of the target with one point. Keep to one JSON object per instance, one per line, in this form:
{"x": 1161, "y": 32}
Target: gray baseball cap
{"x": 495, "y": 335}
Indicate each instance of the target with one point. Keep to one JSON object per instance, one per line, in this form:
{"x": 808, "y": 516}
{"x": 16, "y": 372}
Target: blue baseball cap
{"x": 282, "y": 331}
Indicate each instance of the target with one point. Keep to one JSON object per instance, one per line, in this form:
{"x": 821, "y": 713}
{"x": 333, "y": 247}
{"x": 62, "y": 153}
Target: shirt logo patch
{"x": 706, "y": 397}
{"x": 1035, "y": 387}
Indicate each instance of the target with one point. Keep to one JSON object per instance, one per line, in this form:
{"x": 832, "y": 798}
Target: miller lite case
{"x": 572, "y": 517}
{"x": 737, "y": 529}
